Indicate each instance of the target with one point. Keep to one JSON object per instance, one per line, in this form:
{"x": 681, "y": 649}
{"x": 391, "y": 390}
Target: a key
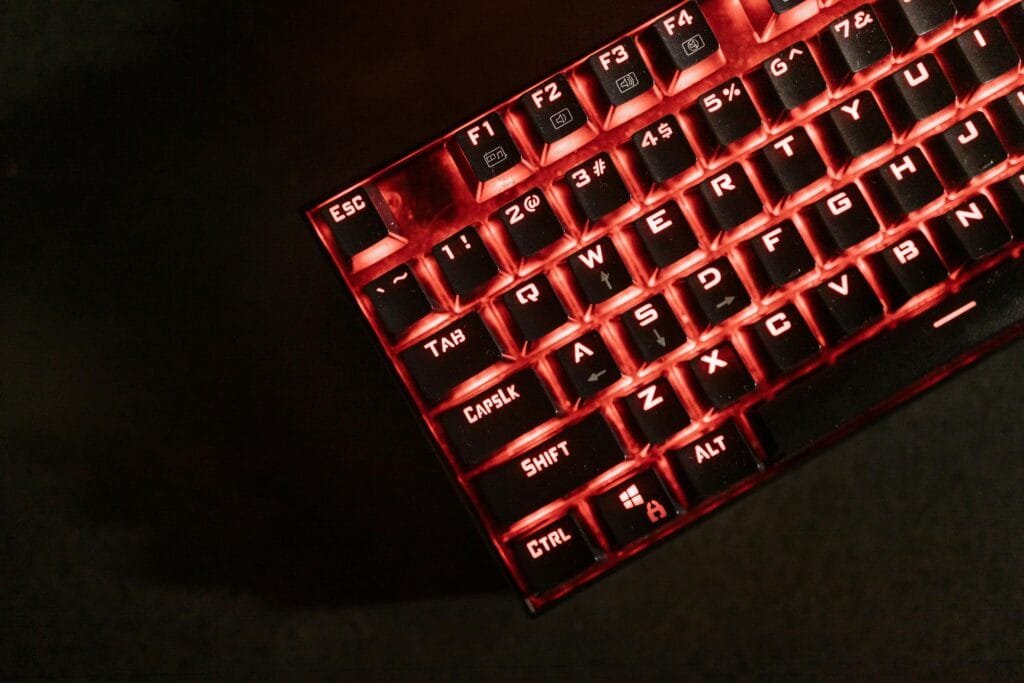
{"x": 597, "y": 186}
{"x": 621, "y": 72}
{"x": 535, "y": 308}
{"x": 451, "y": 356}
{"x": 793, "y": 76}
{"x": 855, "y": 127}
{"x": 682, "y": 39}
{"x": 663, "y": 149}
{"x": 781, "y": 254}
{"x": 656, "y": 411}
{"x": 730, "y": 198}
{"x": 555, "y": 468}
{"x": 718, "y": 291}
{"x": 653, "y": 328}
{"x": 665, "y": 234}
{"x": 588, "y": 365}
{"x": 599, "y": 271}
{"x": 848, "y": 303}
{"x": 977, "y": 227}
{"x": 358, "y": 220}
{"x": 495, "y": 416}
{"x": 905, "y": 184}
{"x": 917, "y": 91}
{"x": 487, "y": 148}
{"x": 855, "y": 42}
{"x": 981, "y": 54}
{"x": 908, "y": 267}
{"x": 966, "y": 149}
{"x": 714, "y": 463}
{"x": 721, "y": 375}
{"x": 1008, "y": 115}
{"x": 634, "y": 508}
{"x": 925, "y": 16}
{"x": 554, "y": 110}
{"x": 531, "y": 223}
{"x": 792, "y": 163}
{"x": 847, "y": 218}
{"x": 785, "y": 339}
{"x": 553, "y": 554}
{"x": 466, "y": 263}
{"x": 398, "y": 299}
{"x": 728, "y": 112}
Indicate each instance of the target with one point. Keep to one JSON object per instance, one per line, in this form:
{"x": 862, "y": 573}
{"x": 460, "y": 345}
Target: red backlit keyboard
{"x": 638, "y": 289}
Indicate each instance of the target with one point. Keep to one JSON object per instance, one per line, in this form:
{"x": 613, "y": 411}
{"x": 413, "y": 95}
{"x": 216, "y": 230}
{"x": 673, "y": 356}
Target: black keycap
{"x": 977, "y": 227}
{"x": 718, "y": 291}
{"x": 721, "y": 375}
{"x": 924, "y": 16}
{"x": 599, "y": 271}
{"x": 730, "y": 198}
{"x": 847, "y": 217}
{"x": 634, "y": 508}
{"x": 714, "y": 462}
{"x": 813, "y": 409}
{"x": 1008, "y": 114}
{"x": 855, "y": 41}
{"x": 1009, "y": 195}
{"x": 728, "y": 112}
{"x": 794, "y": 76}
{"x": 398, "y": 299}
{"x": 621, "y": 72}
{"x": 466, "y": 263}
{"x": 856, "y": 127}
{"x": 495, "y": 416}
{"x": 781, "y": 254}
{"x": 531, "y": 223}
{"x": 553, "y": 554}
{"x": 653, "y": 328}
{"x": 917, "y": 91}
{"x": 663, "y": 149}
{"x": 904, "y": 184}
{"x": 665, "y": 234}
{"x": 450, "y": 356}
{"x": 966, "y": 149}
{"x": 559, "y": 465}
{"x": 780, "y": 6}
{"x": 792, "y": 163}
{"x": 358, "y": 220}
{"x": 554, "y": 110}
{"x": 487, "y": 148}
{"x": 908, "y": 267}
{"x": 535, "y": 308}
{"x": 1013, "y": 22}
{"x": 682, "y": 38}
{"x": 785, "y": 339}
{"x": 597, "y": 186}
{"x": 656, "y": 411}
{"x": 588, "y": 364}
{"x": 965, "y": 8}
{"x": 982, "y": 54}
{"x": 848, "y": 302}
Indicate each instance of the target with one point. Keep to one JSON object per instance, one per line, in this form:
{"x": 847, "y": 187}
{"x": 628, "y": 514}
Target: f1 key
{"x": 487, "y": 148}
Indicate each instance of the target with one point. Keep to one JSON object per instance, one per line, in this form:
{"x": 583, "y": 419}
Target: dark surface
{"x": 205, "y": 472}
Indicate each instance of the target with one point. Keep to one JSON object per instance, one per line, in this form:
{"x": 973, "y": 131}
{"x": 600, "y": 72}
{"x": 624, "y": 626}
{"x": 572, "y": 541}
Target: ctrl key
{"x": 552, "y": 554}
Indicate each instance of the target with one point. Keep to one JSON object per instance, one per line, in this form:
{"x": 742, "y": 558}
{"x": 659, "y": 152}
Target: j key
{"x": 785, "y": 339}
{"x": 599, "y": 271}
{"x": 358, "y": 220}
{"x": 730, "y": 198}
{"x": 588, "y": 364}
{"x": 465, "y": 262}
{"x": 792, "y": 163}
{"x": 794, "y": 77}
{"x": 967, "y": 149}
{"x": 656, "y": 410}
{"x": 665, "y": 234}
{"x": 553, "y": 554}
{"x": 597, "y": 186}
{"x": 1013, "y": 21}
{"x": 924, "y": 16}
{"x": 634, "y": 508}
{"x": 559, "y": 465}
{"x": 811, "y": 410}
{"x": 487, "y": 147}
{"x": 982, "y": 54}
{"x": 849, "y": 303}
{"x": 908, "y": 267}
{"x": 682, "y": 38}
{"x": 621, "y": 72}
{"x": 663, "y": 149}
{"x": 718, "y": 291}
{"x": 554, "y": 110}
{"x": 855, "y": 42}
{"x": 847, "y": 217}
{"x": 535, "y": 308}
{"x": 721, "y": 375}
{"x": 917, "y": 91}
{"x": 714, "y": 462}
{"x": 856, "y": 127}
{"x": 399, "y": 299}
{"x": 728, "y": 112}
{"x": 977, "y": 227}
{"x": 531, "y": 223}
{"x": 498, "y": 414}
{"x": 904, "y": 184}
{"x": 450, "y": 356}
{"x": 1008, "y": 113}
{"x": 781, "y": 254}
{"x": 653, "y": 328}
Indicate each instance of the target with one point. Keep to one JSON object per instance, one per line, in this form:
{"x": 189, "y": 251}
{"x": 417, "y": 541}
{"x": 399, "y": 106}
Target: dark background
{"x": 207, "y": 471}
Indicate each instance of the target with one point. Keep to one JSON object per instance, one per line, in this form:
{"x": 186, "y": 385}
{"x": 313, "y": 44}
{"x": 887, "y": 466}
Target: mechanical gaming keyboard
{"x": 643, "y": 286}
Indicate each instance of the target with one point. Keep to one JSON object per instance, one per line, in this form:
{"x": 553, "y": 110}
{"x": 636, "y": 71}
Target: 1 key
{"x": 465, "y": 261}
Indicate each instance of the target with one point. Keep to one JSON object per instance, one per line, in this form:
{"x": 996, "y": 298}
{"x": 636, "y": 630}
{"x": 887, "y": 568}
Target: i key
{"x": 682, "y": 39}
{"x": 855, "y": 41}
{"x": 982, "y": 54}
{"x": 718, "y": 291}
{"x": 905, "y": 184}
{"x": 908, "y": 267}
{"x": 966, "y": 150}
{"x": 450, "y": 356}
{"x": 977, "y": 227}
{"x": 663, "y": 149}
{"x": 856, "y": 127}
{"x": 653, "y": 328}
{"x": 588, "y": 364}
{"x": 728, "y": 112}
{"x": 487, "y": 148}
{"x": 794, "y": 77}
{"x": 665, "y": 234}
{"x": 730, "y": 198}
{"x": 847, "y": 218}
{"x": 399, "y": 299}
{"x": 597, "y": 187}
{"x": 849, "y": 304}
{"x": 721, "y": 375}
{"x": 554, "y": 110}
{"x": 715, "y": 462}
{"x": 466, "y": 263}
{"x": 656, "y": 410}
{"x": 535, "y": 308}
{"x": 785, "y": 339}
{"x": 621, "y": 72}
{"x": 531, "y": 223}
{"x": 599, "y": 271}
{"x": 358, "y": 220}
{"x": 634, "y": 508}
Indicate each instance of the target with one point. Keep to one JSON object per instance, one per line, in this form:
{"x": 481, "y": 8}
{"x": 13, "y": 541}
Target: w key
{"x": 450, "y": 356}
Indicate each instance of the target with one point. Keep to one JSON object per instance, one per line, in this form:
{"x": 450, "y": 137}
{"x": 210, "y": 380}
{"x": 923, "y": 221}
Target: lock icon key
{"x": 655, "y": 511}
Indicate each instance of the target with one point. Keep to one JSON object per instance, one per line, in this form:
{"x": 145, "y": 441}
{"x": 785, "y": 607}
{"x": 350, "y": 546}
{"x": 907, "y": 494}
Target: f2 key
{"x": 554, "y": 110}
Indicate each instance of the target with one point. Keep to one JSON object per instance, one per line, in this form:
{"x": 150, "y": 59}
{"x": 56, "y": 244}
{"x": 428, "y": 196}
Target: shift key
{"x": 450, "y": 356}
